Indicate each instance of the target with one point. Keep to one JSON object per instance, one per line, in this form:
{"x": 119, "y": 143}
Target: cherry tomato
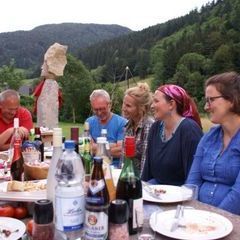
{"x": 20, "y": 212}
{"x": 30, "y": 227}
{"x": 6, "y": 211}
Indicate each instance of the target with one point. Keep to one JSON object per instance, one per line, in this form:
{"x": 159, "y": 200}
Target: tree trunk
{"x": 73, "y": 115}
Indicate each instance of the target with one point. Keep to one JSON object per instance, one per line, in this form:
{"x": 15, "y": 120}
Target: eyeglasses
{"x": 210, "y": 100}
{"x": 99, "y": 110}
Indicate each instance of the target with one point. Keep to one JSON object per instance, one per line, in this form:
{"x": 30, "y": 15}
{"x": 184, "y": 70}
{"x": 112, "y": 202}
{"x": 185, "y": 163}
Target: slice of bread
{"x": 15, "y": 186}
{"x": 28, "y": 186}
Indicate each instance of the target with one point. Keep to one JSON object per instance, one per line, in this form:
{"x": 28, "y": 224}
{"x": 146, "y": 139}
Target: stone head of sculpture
{"x": 55, "y": 61}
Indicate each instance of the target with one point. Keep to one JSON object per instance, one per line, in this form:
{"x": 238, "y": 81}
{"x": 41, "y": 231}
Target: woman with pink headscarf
{"x": 173, "y": 138}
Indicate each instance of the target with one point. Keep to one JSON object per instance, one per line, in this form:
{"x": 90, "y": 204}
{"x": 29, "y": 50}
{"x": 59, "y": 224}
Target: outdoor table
{"x": 235, "y": 219}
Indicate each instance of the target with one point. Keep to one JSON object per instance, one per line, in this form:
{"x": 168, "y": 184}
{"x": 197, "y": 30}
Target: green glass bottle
{"x": 87, "y": 158}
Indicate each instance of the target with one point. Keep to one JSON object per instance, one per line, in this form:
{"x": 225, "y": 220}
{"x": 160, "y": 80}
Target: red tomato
{"x": 20, "y": 212}
{"x": 30, "y": 227}
{"x": 6, "y": 211}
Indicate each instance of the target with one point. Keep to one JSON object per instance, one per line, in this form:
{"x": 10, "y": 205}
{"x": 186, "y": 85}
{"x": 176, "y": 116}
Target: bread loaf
{"x": 36, "y": 171}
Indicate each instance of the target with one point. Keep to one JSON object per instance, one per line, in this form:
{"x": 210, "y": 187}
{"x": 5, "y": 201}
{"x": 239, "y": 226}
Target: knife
{"x": 176, "y": 219}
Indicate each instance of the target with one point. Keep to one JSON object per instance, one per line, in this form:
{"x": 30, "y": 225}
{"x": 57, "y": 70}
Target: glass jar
{"x": 118, "y": 220}
{"x": 43, "y": 226}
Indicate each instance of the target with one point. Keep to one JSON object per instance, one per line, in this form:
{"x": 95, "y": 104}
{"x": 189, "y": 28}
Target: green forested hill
{"x": 184, "y": 51}
{"x": 134, "y": 49}
{"x": 28, "y": 47}
{"x": 197, "y": 51}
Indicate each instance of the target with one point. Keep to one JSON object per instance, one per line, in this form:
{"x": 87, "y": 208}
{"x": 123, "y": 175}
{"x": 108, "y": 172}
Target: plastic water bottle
{"x": 69, "y": 195}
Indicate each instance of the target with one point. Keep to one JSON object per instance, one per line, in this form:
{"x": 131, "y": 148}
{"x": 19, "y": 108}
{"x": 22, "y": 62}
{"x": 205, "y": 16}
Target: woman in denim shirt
{"x": 216, "y": 166}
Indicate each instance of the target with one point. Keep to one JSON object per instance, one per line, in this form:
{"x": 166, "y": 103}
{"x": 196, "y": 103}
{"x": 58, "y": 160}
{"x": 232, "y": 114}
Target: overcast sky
{"x": 134, "y": 14}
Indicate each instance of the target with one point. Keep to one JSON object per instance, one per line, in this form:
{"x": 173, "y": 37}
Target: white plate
{"x": 196, "y": 222}
{"x": 12, "y": 224}
{"x": 172, "y": 194}
{"x": 21, "y": 196}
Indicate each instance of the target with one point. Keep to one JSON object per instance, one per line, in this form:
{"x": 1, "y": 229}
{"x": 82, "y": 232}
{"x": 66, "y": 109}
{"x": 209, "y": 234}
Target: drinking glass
{"x": 190, "y": 191}
{"x": 144, "y": 231}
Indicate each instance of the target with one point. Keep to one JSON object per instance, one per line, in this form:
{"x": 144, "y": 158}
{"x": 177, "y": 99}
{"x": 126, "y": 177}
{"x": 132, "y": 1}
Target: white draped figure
{"x": 48, "y": 102}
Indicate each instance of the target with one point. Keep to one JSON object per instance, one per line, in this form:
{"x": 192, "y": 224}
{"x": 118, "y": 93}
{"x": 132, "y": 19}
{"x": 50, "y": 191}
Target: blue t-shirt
{"x": 217, "y": 173}
{"x": 115, "y": 129}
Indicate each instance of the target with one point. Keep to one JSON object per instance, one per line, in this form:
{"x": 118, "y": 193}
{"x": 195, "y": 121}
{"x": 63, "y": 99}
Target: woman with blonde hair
{"x": 136, "y": 108}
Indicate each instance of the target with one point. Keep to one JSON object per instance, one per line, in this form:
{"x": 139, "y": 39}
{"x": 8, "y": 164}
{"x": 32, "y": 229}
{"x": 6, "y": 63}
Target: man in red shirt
{"x": 9, "y": 109}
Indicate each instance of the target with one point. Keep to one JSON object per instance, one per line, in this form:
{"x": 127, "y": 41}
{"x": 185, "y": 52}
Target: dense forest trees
{"x": 184, "y": 51}
{"x": 133, "y": 50}
{"x": 205, "y": 48}
{"x": 10, "y": 77}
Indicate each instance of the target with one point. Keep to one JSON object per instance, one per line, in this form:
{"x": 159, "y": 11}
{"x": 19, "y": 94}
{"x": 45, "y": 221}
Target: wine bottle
{"x": 97, "y": 204}
{"x": 107, "y": 160}
{"x": 15, "y": 135}
{"x": 39, "y": 143}
{"x": 17, "y": 169}
{"x": 129, "y": 185}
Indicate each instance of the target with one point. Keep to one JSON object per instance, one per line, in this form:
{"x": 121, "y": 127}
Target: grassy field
{"x": 206, "y": 124}
{"x": 67, "y": 126}
{"x": 133, "y": 82}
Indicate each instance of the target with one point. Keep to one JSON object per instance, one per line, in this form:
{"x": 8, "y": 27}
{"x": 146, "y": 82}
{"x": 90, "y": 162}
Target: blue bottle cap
{"x": 69, "y": 144}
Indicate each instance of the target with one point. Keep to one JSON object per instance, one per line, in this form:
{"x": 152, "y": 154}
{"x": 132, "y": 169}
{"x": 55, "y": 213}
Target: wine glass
{"x": 144, "y": 232}
{"x": 190, "y": 191}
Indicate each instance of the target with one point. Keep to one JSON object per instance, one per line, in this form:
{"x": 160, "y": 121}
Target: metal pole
{"x": 126, "y": 76}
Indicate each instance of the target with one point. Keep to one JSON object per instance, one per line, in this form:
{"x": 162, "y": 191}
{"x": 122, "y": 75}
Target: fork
{"x": 149, "y": 190}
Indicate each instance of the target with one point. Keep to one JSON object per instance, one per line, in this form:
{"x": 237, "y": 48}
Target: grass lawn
{"x": 206, "y": 123}
{"x": 66, "y": 127}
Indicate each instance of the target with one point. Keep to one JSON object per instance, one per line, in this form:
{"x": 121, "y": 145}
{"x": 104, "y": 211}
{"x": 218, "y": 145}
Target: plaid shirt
{"x": 141, "y": 137}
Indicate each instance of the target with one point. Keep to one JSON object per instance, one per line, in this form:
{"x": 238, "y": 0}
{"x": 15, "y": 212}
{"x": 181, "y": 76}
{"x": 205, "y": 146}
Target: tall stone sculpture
{"x": 47, "y": 92}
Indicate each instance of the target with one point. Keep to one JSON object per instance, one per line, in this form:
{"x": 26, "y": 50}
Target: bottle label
{"x": 96, "y": 225}
{"x": 95, "y": 200}
{"x": 137, "y": 212}
{"x": 106, "y": 170}
{"x": 87, "y": 145}
{"x": 70, "y": 213}
{"x": 96, "y": 186}
{"x": 30, "y": 153}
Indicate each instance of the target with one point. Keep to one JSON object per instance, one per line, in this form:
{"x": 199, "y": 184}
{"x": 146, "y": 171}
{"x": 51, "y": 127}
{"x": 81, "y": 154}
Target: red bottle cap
{"x": 130, "y": 140}
{"x": 129, "y": 146}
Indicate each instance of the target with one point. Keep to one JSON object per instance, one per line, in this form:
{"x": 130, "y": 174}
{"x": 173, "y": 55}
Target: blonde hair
{"x": 142, "y": 95}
